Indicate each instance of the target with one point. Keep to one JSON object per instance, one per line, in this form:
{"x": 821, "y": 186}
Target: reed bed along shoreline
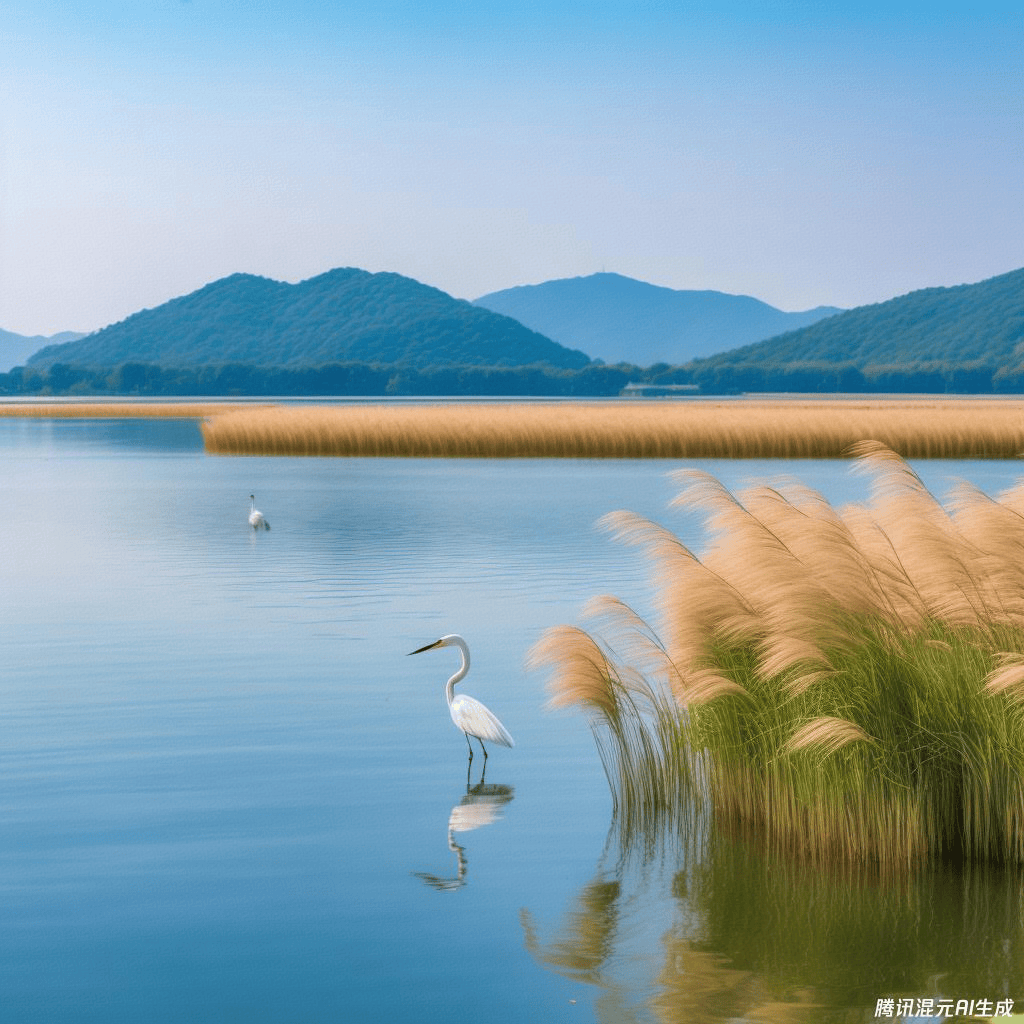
{"x": 116, "y": 410}
{"x": 754, "y": 429}
{"x": 844, "y": 685}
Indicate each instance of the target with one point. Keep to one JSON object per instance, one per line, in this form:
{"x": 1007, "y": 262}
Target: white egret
{"x": 256, "y": 520}
{"x": 467, "y": 713}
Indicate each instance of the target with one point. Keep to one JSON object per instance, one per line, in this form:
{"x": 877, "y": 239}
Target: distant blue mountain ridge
{"x": 351, "y": 315}
{"x": 15, "y": 349}
{"x": 619, "y": 319}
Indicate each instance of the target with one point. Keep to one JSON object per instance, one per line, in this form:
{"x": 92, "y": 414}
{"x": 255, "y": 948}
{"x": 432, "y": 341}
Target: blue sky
{"x": 804, "y": 153}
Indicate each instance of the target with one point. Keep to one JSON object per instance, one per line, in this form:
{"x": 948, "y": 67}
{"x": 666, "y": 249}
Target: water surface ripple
{"x": 227, "y": 795}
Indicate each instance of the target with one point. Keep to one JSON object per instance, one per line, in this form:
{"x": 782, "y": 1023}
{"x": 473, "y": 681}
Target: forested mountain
{"x": 343, "y": 315}
{"x": 15, "y": 349}
{"x": 968, "y": 323}
{"x": 618, "y": 319}
{"x": 351, "y": 332}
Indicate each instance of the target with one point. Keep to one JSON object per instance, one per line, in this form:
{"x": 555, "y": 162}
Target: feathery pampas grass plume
{"x": 847, "y": 684}
{"x": 638, "y": 737}
{"x": 827, "y": 733}
{"x": 1008, "y": 679}
{"x": 583, "y": 675}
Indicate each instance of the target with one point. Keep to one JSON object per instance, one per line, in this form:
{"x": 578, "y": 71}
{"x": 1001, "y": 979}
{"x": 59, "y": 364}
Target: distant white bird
{"x": 467, "y": 713}
{"x": 256, "y": 520}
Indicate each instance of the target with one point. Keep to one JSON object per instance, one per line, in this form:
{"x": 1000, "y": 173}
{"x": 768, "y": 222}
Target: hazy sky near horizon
{"x": 801, "y": 152}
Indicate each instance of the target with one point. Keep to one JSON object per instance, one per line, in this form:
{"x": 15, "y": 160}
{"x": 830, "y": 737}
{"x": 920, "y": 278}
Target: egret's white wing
{"x": 476, "y": 720}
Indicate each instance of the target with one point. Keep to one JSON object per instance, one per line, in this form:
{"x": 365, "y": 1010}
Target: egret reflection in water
{"x": 481, "y": 805}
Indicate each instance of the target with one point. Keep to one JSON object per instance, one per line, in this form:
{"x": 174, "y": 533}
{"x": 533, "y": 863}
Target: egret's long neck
{"x": 449, "y": 690}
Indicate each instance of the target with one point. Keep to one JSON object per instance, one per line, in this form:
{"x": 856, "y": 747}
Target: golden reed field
{"x": 913, "y": 428}
{"x": 740, "y": 428}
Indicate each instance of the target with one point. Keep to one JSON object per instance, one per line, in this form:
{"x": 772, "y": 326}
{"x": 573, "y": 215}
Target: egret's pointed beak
{"x": 429, "y": 647}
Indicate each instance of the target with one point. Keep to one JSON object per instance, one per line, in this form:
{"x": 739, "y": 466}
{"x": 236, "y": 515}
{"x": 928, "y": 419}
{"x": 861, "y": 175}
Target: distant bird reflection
{"x": 481, "y": 805}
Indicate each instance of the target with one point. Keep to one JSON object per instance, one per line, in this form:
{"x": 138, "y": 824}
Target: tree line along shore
{"x": 356, "y": 379}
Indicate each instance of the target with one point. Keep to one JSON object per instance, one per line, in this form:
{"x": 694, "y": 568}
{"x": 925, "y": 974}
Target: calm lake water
{"x": 226, "y": 795}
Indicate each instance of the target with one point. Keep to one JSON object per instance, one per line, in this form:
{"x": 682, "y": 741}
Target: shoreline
{"x": 119, "y": 409}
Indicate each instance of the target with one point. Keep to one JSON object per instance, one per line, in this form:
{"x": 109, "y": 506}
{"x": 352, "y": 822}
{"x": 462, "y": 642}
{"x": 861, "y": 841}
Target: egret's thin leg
{"x": 470, "y": 745}
{"x": 483, "y": 748}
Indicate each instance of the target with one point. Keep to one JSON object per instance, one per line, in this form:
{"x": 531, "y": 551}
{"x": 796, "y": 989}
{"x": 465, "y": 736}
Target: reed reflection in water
{"x": 747, "y": 934}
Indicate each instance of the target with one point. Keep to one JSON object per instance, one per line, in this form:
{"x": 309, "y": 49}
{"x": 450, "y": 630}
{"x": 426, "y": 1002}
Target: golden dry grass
{"x": 115, "y": 410}
{"x": 852, "y": 678}
{"x": 913, "y": 428}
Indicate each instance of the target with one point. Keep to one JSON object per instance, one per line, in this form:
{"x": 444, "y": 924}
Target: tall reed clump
{"x": 748, "y": 429}
{"x": 845, "y": 684}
